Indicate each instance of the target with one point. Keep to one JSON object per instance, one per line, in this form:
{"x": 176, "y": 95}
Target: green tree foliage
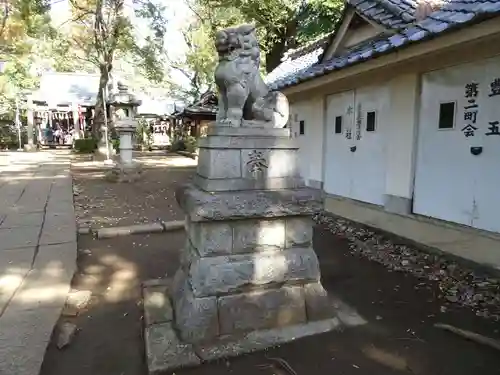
{"x": 20, "y": 22}
{"x": 198, "y": 63}
{"x": 23, "y": 25}
{"x": 281, "y": 24}
{"x": 102, "y": 31}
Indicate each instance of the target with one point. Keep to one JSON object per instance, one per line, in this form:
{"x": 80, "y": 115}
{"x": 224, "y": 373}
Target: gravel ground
{"x": 99, "y": 203}
{"x": 401, "y": 310}
{"x": 458, "y": 283}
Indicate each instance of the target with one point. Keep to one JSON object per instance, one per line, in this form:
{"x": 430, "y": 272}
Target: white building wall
{"x": 458, "y": 176}
{"x": 440, "y": 173}
{"x": 311, "y": 112}
{"x": 404, "y": 93}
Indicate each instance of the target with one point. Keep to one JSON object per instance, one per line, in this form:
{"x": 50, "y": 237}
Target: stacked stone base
{"x": 166, "y": 350}
{"x": 124, "y": 173}
{"x": 249, "y": 279}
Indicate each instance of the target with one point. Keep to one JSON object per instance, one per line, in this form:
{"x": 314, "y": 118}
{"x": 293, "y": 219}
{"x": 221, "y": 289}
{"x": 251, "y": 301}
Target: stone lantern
{"x": 124, "y": 108}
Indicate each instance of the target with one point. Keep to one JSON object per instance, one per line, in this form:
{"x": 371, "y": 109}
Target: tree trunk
{"x": 274, "y": 55}
{"x": 99, "y": 109}
{"x": 286, "y": 41}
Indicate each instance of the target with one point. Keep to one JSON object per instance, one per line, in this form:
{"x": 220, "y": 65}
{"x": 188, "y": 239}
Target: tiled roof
{"x": 452, "y": 15}
{"x": 391, "y": 14}
{"x": 320, "y": 42}
{"x": 202, "y": 110}
{"x": 294, "y": 66}
{"x": 300, "y": 58}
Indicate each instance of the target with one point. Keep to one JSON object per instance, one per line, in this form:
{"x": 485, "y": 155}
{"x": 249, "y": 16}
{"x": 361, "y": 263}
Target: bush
{"x": 9, "y": 136}
{"x": 116, "y": 144}
{"x": 85, "y": 145}
{"x": 143, "y": 135}
{"x": 178, "y": 145}
{"x": 191, "y": 144}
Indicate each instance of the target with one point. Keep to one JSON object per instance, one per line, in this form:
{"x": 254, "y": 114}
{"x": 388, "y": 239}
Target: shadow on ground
{"x": 399, "y": 339}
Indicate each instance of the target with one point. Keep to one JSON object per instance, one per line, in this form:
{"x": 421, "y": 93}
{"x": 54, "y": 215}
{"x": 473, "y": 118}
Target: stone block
{"x": 201, "y": 205}
{"x": 188, "y": 255}
{"x": 318, "y": 304}
{"x": 196, "y": 318}
{"x": 77, "y": 301}
{"x": 247, "y": 131}
{"x": 169, "y": 226}
{"x": 273, "y": 163}
{"x": 125, "y": 172}
{"x": 299, "y": 231}
{"x": 65, "y": 334}
{"x": 263, "y": 339}
{"x": 214, "y": 163}
{"x": 228, "y": 274}
{"x": 131, "y": 229}
{"x": 258, "y": 235}
{"x": 157, "y": 305}
{"x": 347, "y": 315}
{"x": 247, "y": 142}
{"x": 214, "y": 238}
{"x": 261, "y": 309}
{"x": 254, "y": 183}
{"x": 164, "y": 350}
{"x": 178, "y": 284}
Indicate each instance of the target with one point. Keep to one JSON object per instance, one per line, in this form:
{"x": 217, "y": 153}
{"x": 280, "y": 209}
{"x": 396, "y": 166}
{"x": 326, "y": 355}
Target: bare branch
{"x": 195, "y": 12}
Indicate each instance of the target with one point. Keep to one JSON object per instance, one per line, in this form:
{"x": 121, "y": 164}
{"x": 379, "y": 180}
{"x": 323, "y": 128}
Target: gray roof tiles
{"x": 386, "y": 12}
{"x": 393, "y": 14}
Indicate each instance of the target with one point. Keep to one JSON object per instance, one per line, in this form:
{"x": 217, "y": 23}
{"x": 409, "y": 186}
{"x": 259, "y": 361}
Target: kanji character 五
{"x": 494, "y": 128}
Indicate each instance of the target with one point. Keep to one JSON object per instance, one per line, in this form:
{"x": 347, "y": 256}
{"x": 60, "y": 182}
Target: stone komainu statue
{"x": 243, "y": 93}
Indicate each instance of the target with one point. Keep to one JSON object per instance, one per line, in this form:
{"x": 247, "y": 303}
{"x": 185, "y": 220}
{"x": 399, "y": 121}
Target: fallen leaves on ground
{"x": 458, "y": 284}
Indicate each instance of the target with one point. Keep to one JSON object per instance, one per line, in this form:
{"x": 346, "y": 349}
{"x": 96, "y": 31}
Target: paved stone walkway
{"x": 37, "y": 254}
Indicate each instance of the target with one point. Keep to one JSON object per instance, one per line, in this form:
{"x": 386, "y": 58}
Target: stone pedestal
{"x": 125, "y": 170}
{"x": 123, "y": 107}
{"x": 248, "y": 264}
{"x": 126, "y": 148}
{"x": 249, "y": 277}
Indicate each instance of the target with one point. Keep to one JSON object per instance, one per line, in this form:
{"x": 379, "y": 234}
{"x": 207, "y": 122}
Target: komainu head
{"x": 237, "y": 41}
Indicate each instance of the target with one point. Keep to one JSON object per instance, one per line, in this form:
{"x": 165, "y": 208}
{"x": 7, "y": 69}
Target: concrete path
{"x": 37, "y": 254}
